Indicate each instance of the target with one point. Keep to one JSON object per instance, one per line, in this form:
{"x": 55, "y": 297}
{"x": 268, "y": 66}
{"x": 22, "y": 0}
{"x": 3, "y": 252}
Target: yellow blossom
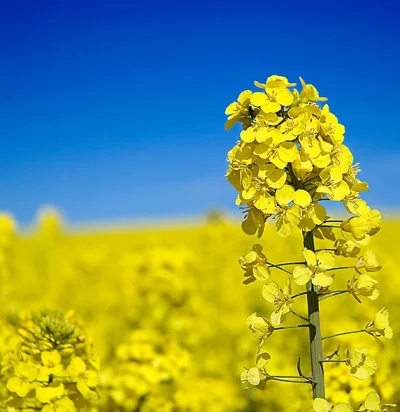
{"x": 380, "y": 325}
{"x": 367, "y": 262}
{"x": 254, "y": 263}
{"x": 362, "y": 366}
{"x": 239, "y": 109}
{"x": 22, "y": 381}
{"x": 364, "y": 286}
{"x": 372, "y": 403}
{"x": 85, "y": 379}
{"x": 260, "y": 327}
{"x": 316, "y": 269}
{"x": 280, "y": 298}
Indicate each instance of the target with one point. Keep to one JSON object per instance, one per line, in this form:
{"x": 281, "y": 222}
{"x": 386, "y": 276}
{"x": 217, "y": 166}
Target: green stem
{"x": 299, "y": 316}
{"x": 343, "y": 333}
{"x": 287, "y": 264}
{"x": 335, "y": 227}
{"x": 298, "y": 294}
{"x": 330, "y": 292}
{"x": 278, "y": 267}
{"x": 316, "y": 353}
{"x": 331, "y": 295}
{"x": 287, "y": 380}
{"x": 333, "y": 361}
{"x": 340, "y": 267}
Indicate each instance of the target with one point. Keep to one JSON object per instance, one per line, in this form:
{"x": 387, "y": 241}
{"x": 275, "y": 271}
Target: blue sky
{"x": 114, "y": 110}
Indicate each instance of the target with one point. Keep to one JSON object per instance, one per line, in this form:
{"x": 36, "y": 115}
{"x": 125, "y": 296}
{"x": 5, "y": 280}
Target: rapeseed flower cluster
{"x": 289, "y": 162}
{"x": 51, "y": 367}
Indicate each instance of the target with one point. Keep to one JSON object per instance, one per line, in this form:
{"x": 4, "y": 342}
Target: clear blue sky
{"x": 115, "y": 109}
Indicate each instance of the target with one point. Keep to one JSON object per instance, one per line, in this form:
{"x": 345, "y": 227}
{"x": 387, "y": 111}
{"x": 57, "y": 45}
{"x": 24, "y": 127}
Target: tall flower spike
{"x": 290, "y": 158}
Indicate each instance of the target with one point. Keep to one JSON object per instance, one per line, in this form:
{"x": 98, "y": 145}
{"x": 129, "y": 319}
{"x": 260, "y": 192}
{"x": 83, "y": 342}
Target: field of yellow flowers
{"x": 155, "y": 320}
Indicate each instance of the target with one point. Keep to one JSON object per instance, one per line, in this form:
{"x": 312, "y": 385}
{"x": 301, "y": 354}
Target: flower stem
{"x": 287, "y": 264}
{"x": 292, "y": 327}
{"x": 331, "y": 294}
{"x": 341, "y": 267}
{"x": 315, "y": 330}
{"x": 343, "y": 333}
{"x": 333, "y": 221}
{"x": 299, "y": 316}
{"x": 287, "y": 380}
{"x": 298, "y": 294}
{"x": 278, "y": 267}
{"x": 333, "y": 361}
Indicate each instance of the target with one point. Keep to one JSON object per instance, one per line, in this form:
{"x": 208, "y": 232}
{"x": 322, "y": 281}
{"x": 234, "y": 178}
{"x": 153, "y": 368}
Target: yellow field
{"x": 166, "y": 311}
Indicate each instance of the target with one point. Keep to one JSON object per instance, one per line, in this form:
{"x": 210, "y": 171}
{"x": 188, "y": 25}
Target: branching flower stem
{"x": 333, "y": 361}
{"x": 343, "y": 333}
{"x": 306, "y": 325}
{"x": 340, "y": 268}
{"x": 299, "y": 316}
{"x": 287, "y": 264}
{"x": 298, "y": 294}
{"x": 287, "y": 380}
{"x": 278, "y": 267}
{"x": 330, "y": 294}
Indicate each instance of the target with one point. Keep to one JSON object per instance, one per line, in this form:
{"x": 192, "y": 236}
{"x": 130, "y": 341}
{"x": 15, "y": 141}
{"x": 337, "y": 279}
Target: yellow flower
{"x": 238, "y": 110}
{"x": 280, "y": 298}
{"x": 254, "y": 222}
{"x": 277, "y": 149}
{"x": 358, "y": 226}
{"x": 312, "y": 215}
{"x": 85, "y": 379}
{"x": 257, "y": 376}
{"x": 329, "y": 127}
{"x": 46, "y": 394}
{"x": 288, "y": 217}
{"x": 321, "y": 405}
{"x": 364, "y": 286}
{"x": 261, "y": 328}
{"x": 51, "y": 364}
{"x": 367, "y": 262}
{"x": 380, "y": 325}
{"x": 362, "y": 366}
{"x": 253, "y": 377}
{"x": 346, "y": 248}
{"x": 310, "y": 93}
{"x": 372, "y": 403}
{"x": 317, "y": 265}
{"x": 60, "y": 405}
{"x": 21, "y": 383}
{"x": 254, "y": 263}
{"x": 264, "y": 102}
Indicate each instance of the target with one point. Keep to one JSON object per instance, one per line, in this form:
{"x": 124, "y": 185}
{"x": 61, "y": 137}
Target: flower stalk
{"x": 316, "y": 353}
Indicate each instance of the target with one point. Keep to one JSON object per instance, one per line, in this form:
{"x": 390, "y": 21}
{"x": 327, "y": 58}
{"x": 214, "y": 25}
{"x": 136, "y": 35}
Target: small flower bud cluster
{"x": 52, "y": 367}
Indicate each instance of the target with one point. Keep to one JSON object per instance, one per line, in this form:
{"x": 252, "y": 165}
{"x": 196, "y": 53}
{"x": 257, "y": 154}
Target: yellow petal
{"x": 276, "y": 179}
{"x": 321, "y": 405}
{"x": 322, "y": 279}
{"x": 253, "y": 376}
{"x": 302, "y": 198}
{"x": 284, "y": 195}
{"x": 287, "y": 152}
{"x": 270, "y": 291}
{"x": 259, "y": 99}
{"x": 372, "y": 402}
{"x": 301, "y": 275}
